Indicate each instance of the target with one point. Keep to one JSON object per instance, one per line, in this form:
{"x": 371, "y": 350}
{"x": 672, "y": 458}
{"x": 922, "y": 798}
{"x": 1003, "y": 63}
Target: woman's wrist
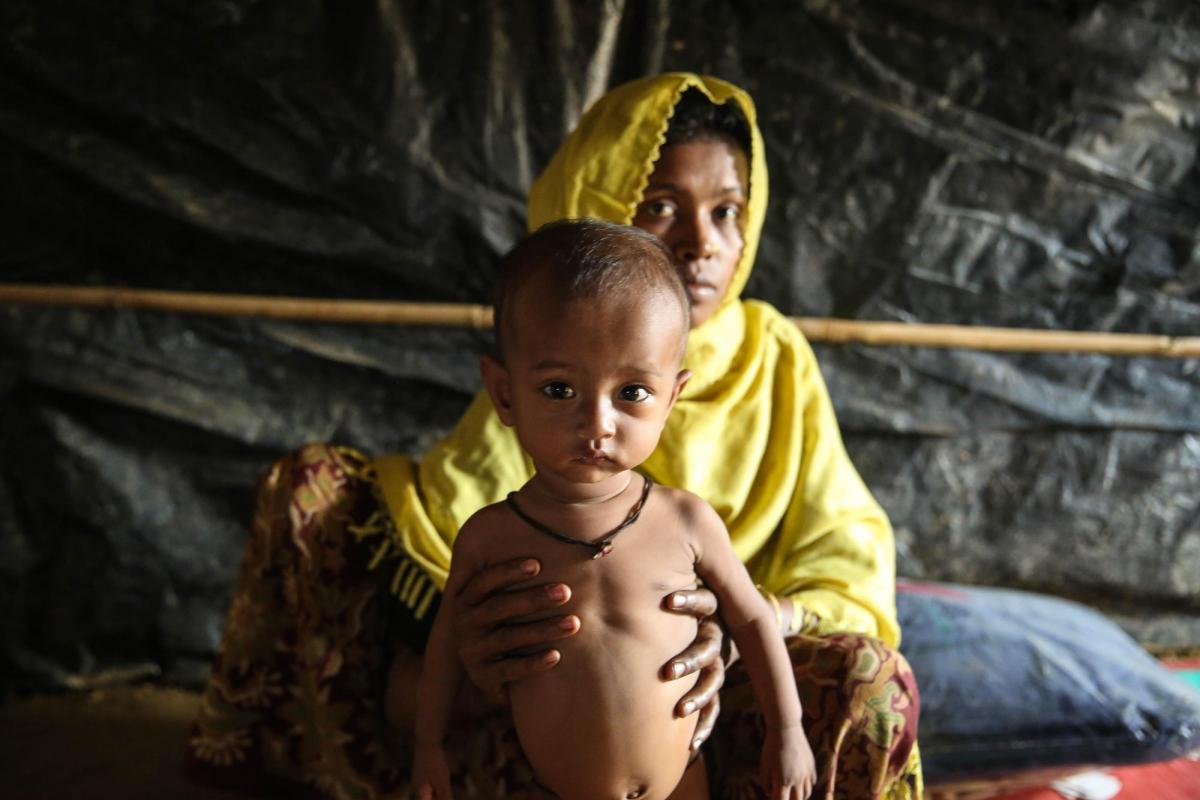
{"x": 783, "y": 608}
{"x": 790, "y": 617}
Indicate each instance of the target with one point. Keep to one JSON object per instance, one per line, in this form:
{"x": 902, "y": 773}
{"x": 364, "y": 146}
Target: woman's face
{"x": 694, "y": 203}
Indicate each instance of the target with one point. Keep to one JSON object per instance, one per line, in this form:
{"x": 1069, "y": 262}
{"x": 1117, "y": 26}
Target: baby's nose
{"x": 596, "y": 420}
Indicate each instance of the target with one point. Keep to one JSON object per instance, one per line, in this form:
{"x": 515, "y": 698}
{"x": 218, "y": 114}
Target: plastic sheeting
{"x": 1028, "y": 164}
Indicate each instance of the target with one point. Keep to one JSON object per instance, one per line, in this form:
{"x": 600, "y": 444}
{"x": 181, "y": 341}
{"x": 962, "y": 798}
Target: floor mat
{"x": 1169, "y": 780}
{"x": 1186, "y": 668}
{"x": 125, "y": 742}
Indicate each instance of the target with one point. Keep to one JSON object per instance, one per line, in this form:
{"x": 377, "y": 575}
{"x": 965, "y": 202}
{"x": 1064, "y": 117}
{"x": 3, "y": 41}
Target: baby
{"x": 591, "y": 326}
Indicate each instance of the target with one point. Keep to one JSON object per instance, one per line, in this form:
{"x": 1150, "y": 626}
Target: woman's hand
{"x": 703, "y": 656}
{"x": 485, "y": 632}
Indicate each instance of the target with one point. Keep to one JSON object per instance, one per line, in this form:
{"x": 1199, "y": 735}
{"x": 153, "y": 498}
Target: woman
{"x": 296, "y": 689}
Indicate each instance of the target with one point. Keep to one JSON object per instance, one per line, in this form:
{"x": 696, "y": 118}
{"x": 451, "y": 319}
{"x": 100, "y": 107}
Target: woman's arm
{"x": 790, "y": 617}
{"x": 833, "y": 555}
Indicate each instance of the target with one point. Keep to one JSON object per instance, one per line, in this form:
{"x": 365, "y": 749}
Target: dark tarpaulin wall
{"x": 996, "y": 163}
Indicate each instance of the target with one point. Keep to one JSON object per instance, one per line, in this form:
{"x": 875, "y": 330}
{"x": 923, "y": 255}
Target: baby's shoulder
{"x": 488, "y": 513}
{"x": 690, "y": 510}
{"x": 481, "y": 527}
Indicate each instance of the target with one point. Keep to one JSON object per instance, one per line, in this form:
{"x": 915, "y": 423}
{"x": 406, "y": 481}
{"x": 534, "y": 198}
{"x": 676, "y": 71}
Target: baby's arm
{"x": 441, "y": 677}
{"x": 788, "y": 769}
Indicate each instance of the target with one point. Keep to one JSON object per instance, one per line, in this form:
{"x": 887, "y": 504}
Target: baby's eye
{"x": 728, "y": 212}
{"x": 558, "y": 390}
{"x": 635, "y": 393}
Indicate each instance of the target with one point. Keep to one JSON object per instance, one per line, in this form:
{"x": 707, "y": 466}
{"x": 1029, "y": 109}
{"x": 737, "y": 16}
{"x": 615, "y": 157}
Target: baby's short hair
{"x": 586, "y": 259}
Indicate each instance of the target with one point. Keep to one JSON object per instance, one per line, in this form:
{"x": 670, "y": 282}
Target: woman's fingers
{"x": 703, "y": 652}
{"x": 486, "y": 657}
{"x": 496, "y": 674}
{"x": 493, "y": 677}
{"x": 486, "y": 636}
{"x": 495, "y": 577}
{"x": 486, "y": 643}
{"x": 502, "y": 607}
{"x": 703, "y": 656}
{"x": 497, "y": 643}
{"x": 708, "y": 684}
{"x": 697, "y": 602}
{"x": 705, "y": 722}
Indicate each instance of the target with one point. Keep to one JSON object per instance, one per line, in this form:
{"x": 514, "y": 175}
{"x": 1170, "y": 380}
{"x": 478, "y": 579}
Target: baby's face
{"x": 588, "y": 384}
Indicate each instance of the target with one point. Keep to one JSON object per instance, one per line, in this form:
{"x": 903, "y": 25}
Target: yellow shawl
{"x": 753, "y": 433}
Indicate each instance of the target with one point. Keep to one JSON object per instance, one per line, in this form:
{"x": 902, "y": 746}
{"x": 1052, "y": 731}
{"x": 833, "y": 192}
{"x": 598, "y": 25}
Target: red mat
{"x": 1167, "y": 780}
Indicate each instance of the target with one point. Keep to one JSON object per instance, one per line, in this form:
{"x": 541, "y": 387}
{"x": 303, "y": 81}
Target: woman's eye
{"x": 658, "y": 208}
{"x": 558, "y": 391}
{"x": 634, "y": 394}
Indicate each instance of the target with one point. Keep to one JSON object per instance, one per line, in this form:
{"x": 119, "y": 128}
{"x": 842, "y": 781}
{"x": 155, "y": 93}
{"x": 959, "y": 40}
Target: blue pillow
{"x": 1012, "y": 681}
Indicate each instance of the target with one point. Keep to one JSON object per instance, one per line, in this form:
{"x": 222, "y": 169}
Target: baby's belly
{"x": 602, "y": 723}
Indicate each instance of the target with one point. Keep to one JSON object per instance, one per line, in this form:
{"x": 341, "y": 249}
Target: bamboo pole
{"x": 371, "y": 312}
{"x": 363, "y": 312}
{"x": 969, "y": 337}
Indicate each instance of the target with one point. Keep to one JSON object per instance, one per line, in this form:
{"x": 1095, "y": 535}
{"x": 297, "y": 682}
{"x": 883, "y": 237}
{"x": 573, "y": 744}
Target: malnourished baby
{"x": 591, "y": 325}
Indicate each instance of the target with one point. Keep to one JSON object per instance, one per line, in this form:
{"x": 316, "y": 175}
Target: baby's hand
{"x": 431, "y": 775}
{"x": 788, "y": 770}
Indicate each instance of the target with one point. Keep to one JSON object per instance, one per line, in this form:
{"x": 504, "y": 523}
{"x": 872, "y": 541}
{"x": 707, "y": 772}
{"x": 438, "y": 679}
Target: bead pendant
{"x": 604, "y": 550}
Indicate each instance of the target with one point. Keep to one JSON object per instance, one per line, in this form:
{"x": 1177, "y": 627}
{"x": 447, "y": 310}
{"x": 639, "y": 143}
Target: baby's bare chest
{"x": 624, "y": 590}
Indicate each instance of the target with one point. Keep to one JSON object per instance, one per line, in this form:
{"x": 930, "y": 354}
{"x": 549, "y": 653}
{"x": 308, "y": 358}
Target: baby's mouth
{"x": 593, "y": 457}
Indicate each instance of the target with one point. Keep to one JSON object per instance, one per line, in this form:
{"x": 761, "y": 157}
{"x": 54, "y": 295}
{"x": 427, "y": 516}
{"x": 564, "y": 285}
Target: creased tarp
{"x": 1028, "y": 164}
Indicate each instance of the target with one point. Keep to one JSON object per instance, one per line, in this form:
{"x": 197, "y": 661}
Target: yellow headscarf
{"x": 753, "y": 432}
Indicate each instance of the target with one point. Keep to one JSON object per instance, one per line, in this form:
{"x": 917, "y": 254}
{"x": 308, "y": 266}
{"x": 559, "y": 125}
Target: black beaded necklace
{"x": 604, "y": 545}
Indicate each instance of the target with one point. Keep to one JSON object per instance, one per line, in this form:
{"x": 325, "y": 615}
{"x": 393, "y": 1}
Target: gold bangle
{"x": 774, "y": 601}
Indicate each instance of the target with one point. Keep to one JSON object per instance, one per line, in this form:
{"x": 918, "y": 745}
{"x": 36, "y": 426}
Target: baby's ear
{"x": 495, "y": 380}
{"x": 680, "y": 381}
